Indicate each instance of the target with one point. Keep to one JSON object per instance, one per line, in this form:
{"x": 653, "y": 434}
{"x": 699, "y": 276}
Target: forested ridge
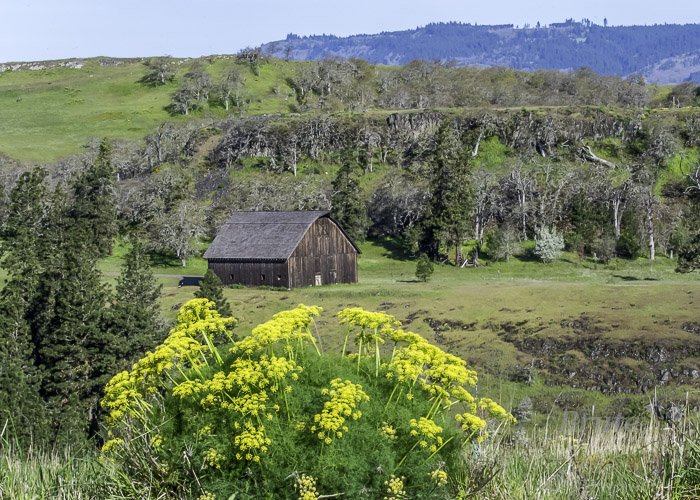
{"x": 462, "y": 165}
{"x": 610, "y": 50}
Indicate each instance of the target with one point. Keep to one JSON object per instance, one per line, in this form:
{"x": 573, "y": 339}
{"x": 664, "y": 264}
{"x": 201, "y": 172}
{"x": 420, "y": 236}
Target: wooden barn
{"x": 285, "y": 249}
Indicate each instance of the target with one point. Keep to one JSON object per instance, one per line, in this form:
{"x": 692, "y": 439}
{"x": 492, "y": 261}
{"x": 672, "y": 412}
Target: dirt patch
{"x": 413, "y": 316}
{"x": 441, "y": 325}
{"x": 691, "y": 328}
{"x": 584, "y": 324}
{"x": 582, "y": 355}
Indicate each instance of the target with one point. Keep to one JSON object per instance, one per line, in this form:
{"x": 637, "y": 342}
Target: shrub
{"x": 273, "y": 417}
{"x": 548, "y": 245}
{"x": 424, "y": 268}
{"x": 503, "y": 243}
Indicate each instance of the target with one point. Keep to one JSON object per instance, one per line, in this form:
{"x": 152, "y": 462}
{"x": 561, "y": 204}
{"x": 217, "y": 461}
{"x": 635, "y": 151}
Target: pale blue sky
{"x": 51, "y": 29}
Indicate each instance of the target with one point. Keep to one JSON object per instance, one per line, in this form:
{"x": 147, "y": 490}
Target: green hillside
{"x": 50, "y": 113}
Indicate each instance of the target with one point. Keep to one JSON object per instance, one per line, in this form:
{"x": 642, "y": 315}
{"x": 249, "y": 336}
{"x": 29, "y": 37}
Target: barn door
{"x": 317, "y": 279}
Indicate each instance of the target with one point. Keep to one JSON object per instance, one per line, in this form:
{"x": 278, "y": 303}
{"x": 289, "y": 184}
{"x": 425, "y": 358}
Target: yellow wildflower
{"x": 395, "y": 488}
{"x": 306, "y": 487}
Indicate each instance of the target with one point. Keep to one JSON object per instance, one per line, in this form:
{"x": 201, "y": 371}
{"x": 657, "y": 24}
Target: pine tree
{"x": 211, "y": 288}
{"x": 447, "y": 217}
{"x": 424, "y": 268}
{"x": 94, "y": 208}
{"x": 20, "y": 402}
{"x": 76, "y": 351}
{"x": 66, "y": 319}
{"x": 348, "y": 207}
{"x": 134, "y": 318}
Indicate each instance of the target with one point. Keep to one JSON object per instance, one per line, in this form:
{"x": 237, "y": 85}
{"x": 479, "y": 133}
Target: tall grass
{"x": 583, "y": 457}
{"x": 575, "y": 458}
{"x": 30, "y": 472}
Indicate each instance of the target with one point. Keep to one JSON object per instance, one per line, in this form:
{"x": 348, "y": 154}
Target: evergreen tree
{"x": 348, "y": 207}
{"x": 20, "y": 403}
{"x": 134, "y": 318}
{"x": 94, "y": 209}
{"x": 448, "y": 215}
{"x": 66, "y": 319}
{"x": 76, "y": 351}
{"x": 21, "y": 407}
{"x": 211, "y": 288}
{"x": 424, "y": 268}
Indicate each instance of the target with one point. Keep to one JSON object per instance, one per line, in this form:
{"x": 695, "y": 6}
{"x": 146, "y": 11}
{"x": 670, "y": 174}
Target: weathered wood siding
{"x": 251, "y": 273}
{"x": 324, "y": 251}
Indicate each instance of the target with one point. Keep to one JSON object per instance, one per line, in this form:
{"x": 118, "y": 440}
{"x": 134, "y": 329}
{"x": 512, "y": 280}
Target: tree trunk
{"x": 617, "y": 214}
{"x": 650, "y": 226}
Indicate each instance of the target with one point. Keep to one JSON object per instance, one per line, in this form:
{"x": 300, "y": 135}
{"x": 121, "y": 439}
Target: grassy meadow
{"x": 488, "y": 314}
{"x": 570, "y": 444}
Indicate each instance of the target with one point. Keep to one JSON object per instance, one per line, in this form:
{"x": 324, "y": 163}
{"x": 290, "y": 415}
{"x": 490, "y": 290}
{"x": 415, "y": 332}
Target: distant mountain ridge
{"x": 663, "y": 53}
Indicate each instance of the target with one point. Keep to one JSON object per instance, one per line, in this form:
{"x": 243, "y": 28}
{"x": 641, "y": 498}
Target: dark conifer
{"x": 134, "y": 318}
{"x": 211, "y": 288}
{"x": 347, "y": 205}
{"x": 20, "y": 403}
{"x": 447, "y": 217}
{"x": 94, "y": 209}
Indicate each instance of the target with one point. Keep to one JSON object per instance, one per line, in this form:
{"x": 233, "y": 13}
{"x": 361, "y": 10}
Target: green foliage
{"x": 160, "y": 70}
{"x": 347, "y": 204}
{"x": 689, "y": 254}
{"x": 448, "y": 211}
{"x": 503, "y": 243}
{"x": 134, "y": 316}
{"x": 211, "y": 288}
{"x": 548, "y": 245}
{"x": 629, "y": 245}
{"x": 21, "y": 407}
{"x": 424, "y": 268}
{"x": 93, "y": 211}
{"x": 191, "y": 420}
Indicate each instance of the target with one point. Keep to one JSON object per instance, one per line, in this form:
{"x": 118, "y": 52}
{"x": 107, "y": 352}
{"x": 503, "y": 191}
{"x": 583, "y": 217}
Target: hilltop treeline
{"x": 338, "y": 84}
{"x": 619, "y": 50}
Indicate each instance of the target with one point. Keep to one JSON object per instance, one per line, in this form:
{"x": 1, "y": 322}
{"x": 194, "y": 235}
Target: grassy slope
{"x": 61, "y": 108}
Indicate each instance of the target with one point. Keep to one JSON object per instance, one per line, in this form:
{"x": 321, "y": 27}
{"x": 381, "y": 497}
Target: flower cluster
{"x": 471, "y": 425}
{"x": 251, "y": 442}
{"x": 395, "y": 488}
{"x": 428, "y": 433}
{"x": 112, "y": 444}
{"x": 306, "y": 487}
{"x": 288, "y": 327}
{"x": 439, "y": 476}
{"x": 495, "y": 410}
{"x": 344, "y": 398}
{"x": 389, "y": 431}
{"x": 125, "y": 395}
{"x": 415, "y": 362}
{"x": 213, "y": 458}
{"x": 225, "y": 405}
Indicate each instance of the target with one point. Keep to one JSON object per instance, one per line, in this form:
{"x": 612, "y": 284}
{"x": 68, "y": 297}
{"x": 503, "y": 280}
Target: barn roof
{"x": 259, "y": 236}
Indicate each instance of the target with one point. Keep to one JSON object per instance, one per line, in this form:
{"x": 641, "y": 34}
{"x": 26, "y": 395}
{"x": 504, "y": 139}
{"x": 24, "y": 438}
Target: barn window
{"x": 262, "y": 277}
{"x": 279, "y": 277}
{"x": 231, "y": 276}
